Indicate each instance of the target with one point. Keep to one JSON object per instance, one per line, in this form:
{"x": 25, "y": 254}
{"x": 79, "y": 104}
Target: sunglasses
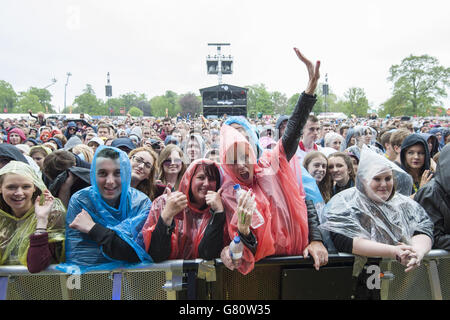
{"x": 140, "y": 161}
{"x": 168, "y": 162}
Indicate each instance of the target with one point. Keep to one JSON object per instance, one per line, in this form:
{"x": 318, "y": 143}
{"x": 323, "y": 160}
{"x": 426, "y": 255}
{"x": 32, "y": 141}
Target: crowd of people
{"x": 107, "y": 192}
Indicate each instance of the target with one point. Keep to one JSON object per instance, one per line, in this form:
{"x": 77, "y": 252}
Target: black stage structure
{"x": 224, "y": 99}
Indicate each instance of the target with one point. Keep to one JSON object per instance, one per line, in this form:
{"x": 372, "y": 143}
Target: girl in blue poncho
{"x": 104, "y": 220}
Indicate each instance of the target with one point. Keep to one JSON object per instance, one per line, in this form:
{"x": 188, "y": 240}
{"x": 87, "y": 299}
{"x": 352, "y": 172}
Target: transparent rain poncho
{"x": 127, "y": 220}
{"x": 361, "y": 212}
{"x": 15, "y": 232}
{"x": 360, "y": 131}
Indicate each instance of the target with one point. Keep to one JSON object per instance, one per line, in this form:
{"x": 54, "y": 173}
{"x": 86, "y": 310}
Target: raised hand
{"x": 214, "y": 200}
{"x": 245, "y": 208}
{"x": 313, "y": 72}
{"x": 42, "y": 211}
{"x": 175, "y": 202}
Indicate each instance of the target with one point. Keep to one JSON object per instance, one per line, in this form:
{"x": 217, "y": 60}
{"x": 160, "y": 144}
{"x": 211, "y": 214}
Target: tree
{"x": 159, "y": 105}
{"x": 259, "y": 100}
{"x": 292, "y": 102}
{"x": 279, "y": 102}
{"x": 355, "y": 102}
{"x": 45, "y": 98}
{"x": 328, "y": 104}
{"x": 419, "y": 84}
{"x": 28, "y": 101}
{"x": 319, "y": 107}
{"x": 135, "y": 112}
{"x": 190, "y": 103}
{"x": 168, "y": 101}
{"x": 88, "y": 103}
{"x": 8, "y": 97}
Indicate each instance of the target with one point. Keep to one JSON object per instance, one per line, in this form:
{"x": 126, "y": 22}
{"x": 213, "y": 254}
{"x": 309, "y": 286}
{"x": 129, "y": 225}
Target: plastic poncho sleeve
{"x": 151, "y": 223}
{"x": 84, "y": 254}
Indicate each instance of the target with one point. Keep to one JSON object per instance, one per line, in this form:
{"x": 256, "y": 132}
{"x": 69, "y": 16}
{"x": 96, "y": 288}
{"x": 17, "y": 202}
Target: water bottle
{"x": 257, "y": 218}
{"x": 236, "y": 249}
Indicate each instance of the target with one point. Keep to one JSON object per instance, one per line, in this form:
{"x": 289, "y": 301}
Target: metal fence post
{"x": 3, "y": 287}
{"x": 433, "y": 277}
{"x": 117, "y": 286}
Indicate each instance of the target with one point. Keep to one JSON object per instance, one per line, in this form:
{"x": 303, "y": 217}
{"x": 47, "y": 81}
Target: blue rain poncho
{"x": 83, "y": 254}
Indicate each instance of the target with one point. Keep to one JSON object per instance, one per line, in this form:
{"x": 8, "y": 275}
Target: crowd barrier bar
{"x": 200, "y": 279}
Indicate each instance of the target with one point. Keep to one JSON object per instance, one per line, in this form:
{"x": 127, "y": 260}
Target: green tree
{"x": 355, "y": 102}
{"x": 279, "y": 102}
{"x": 292, "y": 102}
{"x": 88, "y": 103}
{"x": 190, "y": 103}
{"x": 259, "y": 100}
{"x": 419, "y": 84}
{"x": 28, "y": 101}
{"x": 45, "y": 98}
{"x": 135, "y": 112}
{"x": 159, "y": 105}
{"x": 8, "y": 97}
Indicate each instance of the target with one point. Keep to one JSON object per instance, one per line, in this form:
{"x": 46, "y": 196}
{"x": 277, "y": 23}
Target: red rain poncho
{"x": 190, "y": 224}
{"x": 285, "y": 231}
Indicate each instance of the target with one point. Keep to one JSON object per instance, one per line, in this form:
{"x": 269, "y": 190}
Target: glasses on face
{"x": 169, "y": 161}
{"x": 140, "y": 161}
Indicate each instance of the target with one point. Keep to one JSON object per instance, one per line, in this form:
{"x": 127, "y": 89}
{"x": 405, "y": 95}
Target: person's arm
{"x": 160, "y": 245}
{"x": 342, "y": 243}
{"x": 315, "y": 247}
{"x": 64, "y": 193}
{"x": 31, "y": 114}
{"x": 212, "y": 242}
{"x": 297, "y": 121}
{"x": 313, "y": 222}
{"x": 39, "y": 255}
{"x": 428, "y": 197}
{"x": 404, "y": 254}
{"x": 112, "y": 245}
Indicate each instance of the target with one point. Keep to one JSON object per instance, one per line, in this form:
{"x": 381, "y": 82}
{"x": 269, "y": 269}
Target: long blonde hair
{"x": 87, "y": 152}
{"x": 163, "y": 156}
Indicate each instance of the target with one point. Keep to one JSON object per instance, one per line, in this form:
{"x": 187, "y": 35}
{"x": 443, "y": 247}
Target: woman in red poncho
{"x": 285, "y": 228}
{"x": 189, "y": 223}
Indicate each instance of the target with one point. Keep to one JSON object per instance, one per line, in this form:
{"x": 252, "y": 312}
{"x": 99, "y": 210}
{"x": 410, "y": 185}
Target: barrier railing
{"x": 273, "y": 278}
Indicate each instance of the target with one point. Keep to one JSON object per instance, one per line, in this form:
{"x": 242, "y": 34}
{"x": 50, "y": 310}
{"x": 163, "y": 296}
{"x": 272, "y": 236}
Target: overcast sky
{"x": 154, "y": 46}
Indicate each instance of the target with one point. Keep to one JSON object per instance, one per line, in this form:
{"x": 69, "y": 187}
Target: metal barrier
{"x": 272, "y": 279}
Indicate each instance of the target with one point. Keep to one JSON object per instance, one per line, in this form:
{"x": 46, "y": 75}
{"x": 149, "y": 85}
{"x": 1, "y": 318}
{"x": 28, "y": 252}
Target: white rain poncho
{"x": 360, "y": 212}
{"x": 15, "y": 232}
